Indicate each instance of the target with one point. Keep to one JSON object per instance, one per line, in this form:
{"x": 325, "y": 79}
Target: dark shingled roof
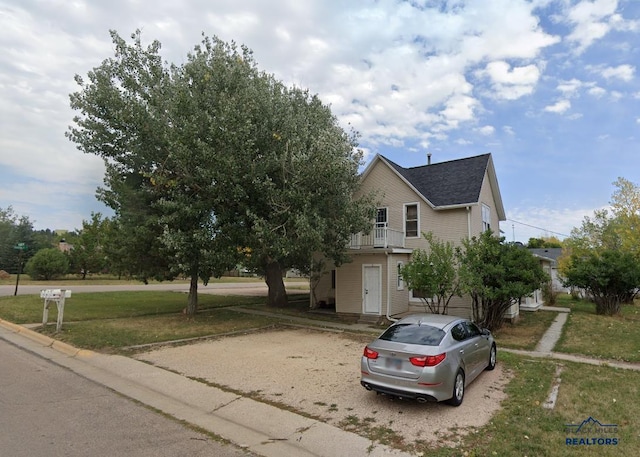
{"x": 456, "y": 182}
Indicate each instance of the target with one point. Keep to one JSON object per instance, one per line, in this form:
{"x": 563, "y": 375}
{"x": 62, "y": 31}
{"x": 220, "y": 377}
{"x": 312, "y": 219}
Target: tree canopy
{"x": 433, "y": 274}
{"x": 602, "y": 256}
{"x": 496, "y": 275}
{"x": 213, "y": 163}
{"x": 16, "y": 229}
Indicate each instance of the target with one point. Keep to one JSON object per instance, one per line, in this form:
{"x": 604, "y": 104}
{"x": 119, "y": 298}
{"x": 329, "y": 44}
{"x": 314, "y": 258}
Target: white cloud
{"x": 616, "y": 95}
{"x": 597, "y": 91}
{"x": 558, "y": 107}
{"x": 508, "y": 130}
{"x": 570, "y": 87}
{"x": 623, "y": 72}
{"x": 486, "y": 130}
{"x": 592, "y": 20}
{"x": 510, "y": 83}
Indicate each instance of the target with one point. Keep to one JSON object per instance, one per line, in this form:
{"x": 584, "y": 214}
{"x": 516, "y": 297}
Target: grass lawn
{"x": 524, "y": 428}
{"x": 606, "y": 337}
{"x": 526, "y": 332}
{"x": 24, "y": 309}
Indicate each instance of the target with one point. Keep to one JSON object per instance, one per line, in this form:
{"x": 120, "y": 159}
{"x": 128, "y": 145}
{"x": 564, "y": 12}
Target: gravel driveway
{"x": 318, "y": 373}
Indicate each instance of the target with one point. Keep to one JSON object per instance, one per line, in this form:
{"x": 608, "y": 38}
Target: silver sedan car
{"x": 428, "y": 357}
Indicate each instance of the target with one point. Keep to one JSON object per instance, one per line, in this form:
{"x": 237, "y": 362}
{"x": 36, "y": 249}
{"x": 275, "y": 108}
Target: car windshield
{"x": 424, "y": 335}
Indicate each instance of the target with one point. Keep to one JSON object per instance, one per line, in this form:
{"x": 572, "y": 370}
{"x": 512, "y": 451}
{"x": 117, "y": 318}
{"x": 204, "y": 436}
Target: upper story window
{"x": 486, "y": 218}
{"x": 411, "y": 226}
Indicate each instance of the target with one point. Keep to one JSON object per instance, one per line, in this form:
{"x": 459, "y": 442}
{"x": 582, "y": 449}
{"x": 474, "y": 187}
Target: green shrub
{"x": 47, "y": 264}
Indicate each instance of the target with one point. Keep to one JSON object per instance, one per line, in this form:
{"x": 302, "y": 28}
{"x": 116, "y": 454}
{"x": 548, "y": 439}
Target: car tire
{"x": 492, "y": 358}
{"x": 458, "y": 389}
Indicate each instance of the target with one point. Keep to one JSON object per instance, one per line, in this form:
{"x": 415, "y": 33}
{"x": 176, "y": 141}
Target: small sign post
{"x": 20, "y": 247}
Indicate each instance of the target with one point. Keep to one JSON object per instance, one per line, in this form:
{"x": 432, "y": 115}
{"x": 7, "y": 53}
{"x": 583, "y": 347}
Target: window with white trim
{"x": 400, "y": 279}
{"x": 411, "y": 217}
{"x": 486, "y": 218}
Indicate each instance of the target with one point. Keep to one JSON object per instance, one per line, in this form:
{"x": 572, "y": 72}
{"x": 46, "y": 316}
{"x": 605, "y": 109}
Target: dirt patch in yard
{"x": 319, "y": 373}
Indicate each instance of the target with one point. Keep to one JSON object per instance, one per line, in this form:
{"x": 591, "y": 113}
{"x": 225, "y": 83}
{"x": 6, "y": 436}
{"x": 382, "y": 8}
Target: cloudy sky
{"x": 549, "y": 87}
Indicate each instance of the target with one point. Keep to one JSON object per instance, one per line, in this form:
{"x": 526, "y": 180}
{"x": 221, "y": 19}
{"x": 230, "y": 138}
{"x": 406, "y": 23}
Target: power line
{"x": 540, "y": 228}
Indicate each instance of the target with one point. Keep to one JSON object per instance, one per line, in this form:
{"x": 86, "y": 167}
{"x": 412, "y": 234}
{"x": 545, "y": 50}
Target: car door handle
{"x": 461, "y": 351}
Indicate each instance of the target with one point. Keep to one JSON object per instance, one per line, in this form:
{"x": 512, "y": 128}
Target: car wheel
{"x": 458, "y": 389}
{"x": 492, "y": 358}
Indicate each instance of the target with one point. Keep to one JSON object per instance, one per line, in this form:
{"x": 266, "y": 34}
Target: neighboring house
{"x": 455, "y": 200}
{"x": 63, "y": 246}
{"x": 552, "y": 254}
{"x": 534, "y": 301}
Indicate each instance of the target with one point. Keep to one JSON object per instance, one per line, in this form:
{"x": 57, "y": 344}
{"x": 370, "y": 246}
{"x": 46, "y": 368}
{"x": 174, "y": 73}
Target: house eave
{"x": 456, "y": 206}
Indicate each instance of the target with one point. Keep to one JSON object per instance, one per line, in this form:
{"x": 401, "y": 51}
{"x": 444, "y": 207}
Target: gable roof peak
{"x": 452, "y": 183}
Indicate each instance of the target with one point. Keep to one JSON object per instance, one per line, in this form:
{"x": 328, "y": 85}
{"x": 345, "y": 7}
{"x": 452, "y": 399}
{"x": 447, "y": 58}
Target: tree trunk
{"x": 277, "y": 293}
{"x": 192, "y": 304}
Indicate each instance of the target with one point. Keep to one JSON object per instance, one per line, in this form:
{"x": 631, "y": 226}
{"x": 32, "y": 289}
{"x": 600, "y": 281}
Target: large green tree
{"x": 497, "y": 274}
{"x": 212, "y": 159}
{"x": 294, "y": 187}
{"x": 602, "y": 256}
{"x": 87, "y": 255}
{"x": 610, "y": 276}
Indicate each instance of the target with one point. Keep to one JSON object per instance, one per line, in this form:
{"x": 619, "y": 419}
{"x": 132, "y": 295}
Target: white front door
{"x": 372, "y": 289}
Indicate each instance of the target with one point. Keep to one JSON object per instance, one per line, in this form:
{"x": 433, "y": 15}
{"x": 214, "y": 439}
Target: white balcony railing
{"x": 378, "y": 237}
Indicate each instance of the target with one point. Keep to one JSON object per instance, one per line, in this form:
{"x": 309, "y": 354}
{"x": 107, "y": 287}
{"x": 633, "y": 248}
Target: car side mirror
{"x": 486, "y": 331}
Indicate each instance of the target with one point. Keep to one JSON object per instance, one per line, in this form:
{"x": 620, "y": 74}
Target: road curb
{"x": 65, "y": 348}
{"x": 39, "y": 338}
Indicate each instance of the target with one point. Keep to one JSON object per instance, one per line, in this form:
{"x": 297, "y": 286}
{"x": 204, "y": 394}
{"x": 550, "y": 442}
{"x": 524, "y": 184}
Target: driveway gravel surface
{"x": 318, "y": 373}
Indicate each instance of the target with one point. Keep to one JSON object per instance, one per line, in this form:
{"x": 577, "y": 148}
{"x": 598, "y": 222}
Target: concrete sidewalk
{"x": 263, "y": 429}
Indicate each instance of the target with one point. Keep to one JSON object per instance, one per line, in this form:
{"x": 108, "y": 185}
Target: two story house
{"x": 455, "y": 199}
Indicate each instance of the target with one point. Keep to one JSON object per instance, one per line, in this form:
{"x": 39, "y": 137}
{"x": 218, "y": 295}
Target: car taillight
{"x": 370, "y": 353}
{"x": 428, "y": 360}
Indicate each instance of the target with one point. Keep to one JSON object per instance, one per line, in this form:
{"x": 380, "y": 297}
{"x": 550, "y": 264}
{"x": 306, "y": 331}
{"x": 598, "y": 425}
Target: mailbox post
{"x": 54, "y": 295}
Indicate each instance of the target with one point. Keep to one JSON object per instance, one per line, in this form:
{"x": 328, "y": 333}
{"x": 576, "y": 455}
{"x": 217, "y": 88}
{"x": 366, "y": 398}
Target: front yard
{"x": 517, "y": 424}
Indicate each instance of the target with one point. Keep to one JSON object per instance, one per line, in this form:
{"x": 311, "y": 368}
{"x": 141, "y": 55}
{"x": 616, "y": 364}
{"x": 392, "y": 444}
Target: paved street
{"x": 49, "y": 411}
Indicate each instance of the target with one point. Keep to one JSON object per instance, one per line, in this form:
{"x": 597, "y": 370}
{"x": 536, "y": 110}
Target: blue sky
{"x": 549, "y": 87}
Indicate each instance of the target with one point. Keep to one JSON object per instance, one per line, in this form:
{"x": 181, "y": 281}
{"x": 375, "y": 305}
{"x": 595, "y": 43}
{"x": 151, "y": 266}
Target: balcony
{"x": 378, "y": 237}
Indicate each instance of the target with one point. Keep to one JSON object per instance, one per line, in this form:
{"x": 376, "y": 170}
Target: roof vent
{"x": 429, "y": 158}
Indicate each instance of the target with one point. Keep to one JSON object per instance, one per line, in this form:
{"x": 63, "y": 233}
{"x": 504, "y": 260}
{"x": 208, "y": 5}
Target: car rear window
{"x": 423, "y": 334}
